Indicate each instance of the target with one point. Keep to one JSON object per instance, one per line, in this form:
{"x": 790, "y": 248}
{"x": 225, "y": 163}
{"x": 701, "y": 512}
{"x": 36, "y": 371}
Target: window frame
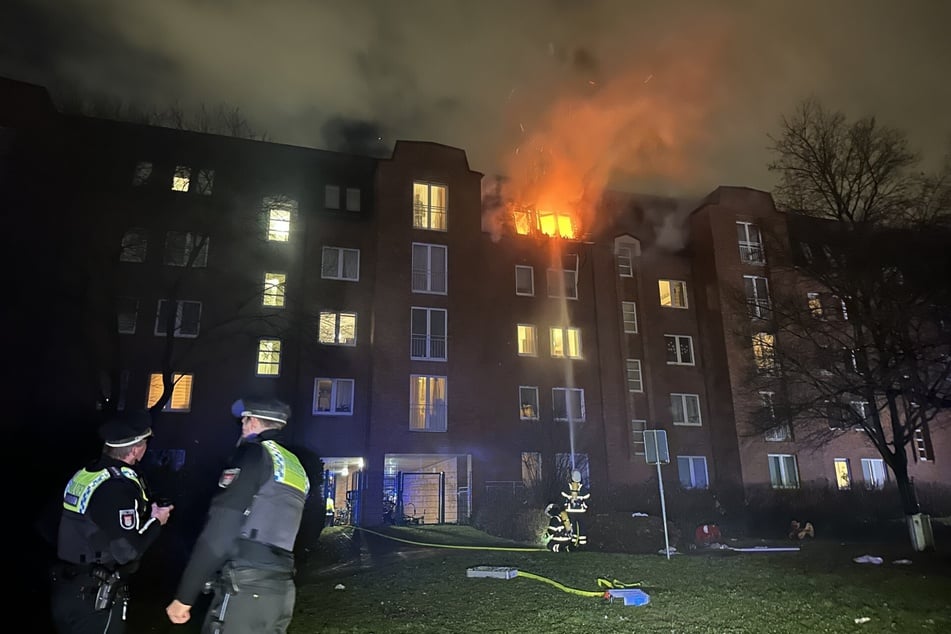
{"x": 571, "y": 287}
{"x": 527, "y": 329}
{"x": 871, "y": 467}
{"x": 428, "y": 409}
{"x": 276, "y": 292}
{"x": 625, "y": 321}
{"x": 260, "y": 360}
{"x": 123, "y": 304}
{"x": 634, "y": 367}
{"x": 190, "y": 241}
{"x": 428, "y": 272}
{"x": 341, "y": 252}
{"x": 565, "y": 335}
{"x": 692, "y": 462}
{"x": 532, "y": 389}
{"x": 759, "y": 307}
{"x": 783, "y": 479}
{"x": 624, "y": 257}
{"x": 134, "y": 245}
{"x": 749, "y": 244}
{"x": 637, "y": 428}
{"x": 677, "y": 350}
{"x": 335, "y": 382}
{"x": 843, "y": 477}
{"x": 671, "y": 295}
{"x": 567, "y": 392}
{"x": 429, "y": 340}
{"x": 338, "y": 315}
{"x": 177, "y": 377}
{"x": 531, "y": 280}
{"x": 160, "y": 331}
{"x": 683, "y": 398}
{"x": 427, "y": 210}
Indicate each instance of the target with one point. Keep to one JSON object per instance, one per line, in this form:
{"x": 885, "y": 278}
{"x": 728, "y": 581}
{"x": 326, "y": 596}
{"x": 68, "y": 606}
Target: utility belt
{"x": 97, "y": 582}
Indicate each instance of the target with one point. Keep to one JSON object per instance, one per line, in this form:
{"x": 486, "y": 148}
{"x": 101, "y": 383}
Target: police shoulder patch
{"x": 127, "y": 519}
{"x": 227, "y": 477}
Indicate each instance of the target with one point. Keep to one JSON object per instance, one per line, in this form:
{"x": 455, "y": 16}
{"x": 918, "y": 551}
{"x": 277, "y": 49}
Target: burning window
{"x": 528, "y": 221}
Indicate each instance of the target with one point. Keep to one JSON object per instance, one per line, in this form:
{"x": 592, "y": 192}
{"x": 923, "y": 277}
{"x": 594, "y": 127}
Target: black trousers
{"x": 73, "y": 603}
{"x": 251, "y": 601}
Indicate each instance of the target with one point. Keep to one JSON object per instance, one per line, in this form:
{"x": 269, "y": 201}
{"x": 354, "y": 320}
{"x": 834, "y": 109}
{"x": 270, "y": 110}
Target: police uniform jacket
{"x": 107, "y": 516}
{"x": 254, "y": 516}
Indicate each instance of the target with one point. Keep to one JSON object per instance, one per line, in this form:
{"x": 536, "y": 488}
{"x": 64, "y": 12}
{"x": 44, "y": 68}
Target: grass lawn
{"x": 818, "y": 589}
{"x": 394, "y": 585}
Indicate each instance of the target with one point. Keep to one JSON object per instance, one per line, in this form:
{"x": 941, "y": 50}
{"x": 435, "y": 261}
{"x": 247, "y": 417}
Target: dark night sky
{"x": 668, "y": 97}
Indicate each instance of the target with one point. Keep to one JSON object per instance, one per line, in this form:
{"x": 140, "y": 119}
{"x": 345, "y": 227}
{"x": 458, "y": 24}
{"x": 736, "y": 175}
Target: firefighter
{"x": 576, "y": 504}
{"x": 247, "y": 543}
{"x": 108, "y": 522}
{"x": 560, "y": 537}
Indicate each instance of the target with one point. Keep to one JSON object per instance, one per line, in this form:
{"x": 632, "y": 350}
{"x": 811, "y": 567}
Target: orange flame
{"x": 647, "y": 123}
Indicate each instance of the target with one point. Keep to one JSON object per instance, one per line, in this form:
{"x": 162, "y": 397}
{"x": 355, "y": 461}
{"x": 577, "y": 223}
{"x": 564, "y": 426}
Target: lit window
{"x": 693, "y": 472}
{"x": 274, "y": 286}
{"x": 181, "y": 399}
{"x": 531, "y": 468}
{"x": 563, "y": 283}
{"x": 331, "y": 197}
{"x": 554, "y": 224}
{"x": 629, "y": 317}
{"x": 751, "y": 243}
{"x": 142, "y": 173}
{"x": 566, "y": 342}
{"x": 429, "y": 268}
{"x": 635, "y": 381}
{"x": 186, "y": 319}
{"x": 528, "y": 402}
{"x": 873, "y": 471}
{"x": 353, "y": 199}
{"x": 527, "y": 342}
{"x": 182, "y": 179}
{"x": 279, "y": 211}
{"x": 427, "y": 403}
{"x": 134, "y": 246}
{"x": 757, "y": 296}
{"x": 568, "y": 404}
{"x": 673, "y": 293}
{"x": 428, "y": 333}
{"x": 679, "y": 349}
{"x": 205, "y": 182}
{"x": 685, "y": 409}
{"x": 814, "y": 303}
{"x": 340, "y": 264}
{"x": 333, "y": 397}
{"x": 843, "y": 474}
{"x": 625, "y": 261}
{"x": 186, "y": 249}
{"x": 783, "y": 471}
{"x": 524, "y": 280}
{"x": 127, "y": 310}
{"x": 337, "y": 328}
{"x": 637, "y": 436}
{"x": 764, "y": 352}
{"x": 269, "y": 357}
{"x": 430, "y": 206}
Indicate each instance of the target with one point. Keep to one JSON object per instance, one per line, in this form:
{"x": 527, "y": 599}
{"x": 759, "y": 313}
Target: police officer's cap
{"x": 126, "y": 429}
{"x": 265, "y": 409}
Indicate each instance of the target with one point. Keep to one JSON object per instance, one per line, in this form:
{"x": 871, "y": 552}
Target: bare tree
{"x": 857, "y": 330}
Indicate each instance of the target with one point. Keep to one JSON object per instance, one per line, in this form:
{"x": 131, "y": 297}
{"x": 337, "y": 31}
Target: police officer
{"x": 107, "y": 523}
{"x": 248, "y": 540}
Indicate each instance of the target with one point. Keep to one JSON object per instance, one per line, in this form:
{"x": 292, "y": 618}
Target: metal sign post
{"x": 657, "y": 452}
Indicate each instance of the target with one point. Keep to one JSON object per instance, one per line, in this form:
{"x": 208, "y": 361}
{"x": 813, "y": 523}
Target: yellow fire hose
{"x": 603, "y": 582}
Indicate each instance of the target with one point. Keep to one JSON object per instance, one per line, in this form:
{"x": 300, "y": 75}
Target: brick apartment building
{"x": 426, "y": 355}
